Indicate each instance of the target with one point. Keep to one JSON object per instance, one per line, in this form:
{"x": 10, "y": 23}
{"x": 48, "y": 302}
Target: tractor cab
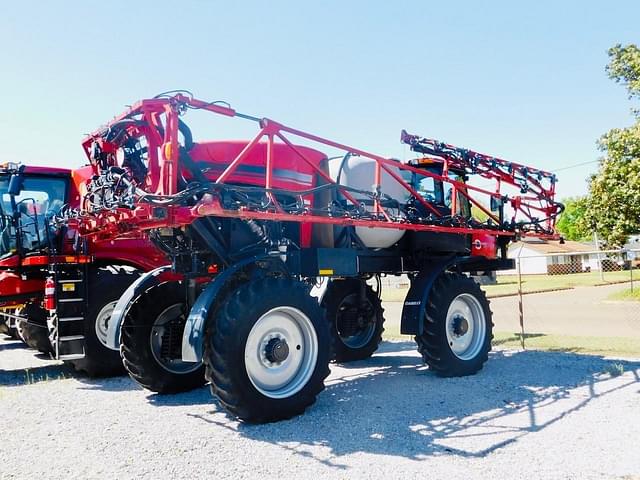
{"x": 29, "y": 197}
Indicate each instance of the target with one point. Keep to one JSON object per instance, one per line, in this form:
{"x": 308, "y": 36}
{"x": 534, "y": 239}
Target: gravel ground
{"x": 526, "y": 415}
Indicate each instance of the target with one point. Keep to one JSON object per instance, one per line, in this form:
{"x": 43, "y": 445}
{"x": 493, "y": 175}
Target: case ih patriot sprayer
{"x": 251, "y": 226}
{"x": 88, "y": 276}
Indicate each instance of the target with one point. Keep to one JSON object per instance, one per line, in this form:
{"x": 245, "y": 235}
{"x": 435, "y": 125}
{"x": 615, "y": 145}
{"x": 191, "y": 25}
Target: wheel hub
{"x": 171, "y": 342}
{"x": 466, "y": 326}
{"x": 277, "y": 350}
{"x": 355, "y": 321}
{"x": 166, "y": 341}
{"x": 102, "y": 322}
{"x": 281, "y": 351}
{"x": 460, "y": 326}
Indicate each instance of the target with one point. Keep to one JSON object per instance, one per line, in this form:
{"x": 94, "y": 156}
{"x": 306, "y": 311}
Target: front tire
{"x": 151, "y": 341}
{"x": 355, "y": 323}
{"x": 457, "y": 333}
{"x": 267, "y": 350}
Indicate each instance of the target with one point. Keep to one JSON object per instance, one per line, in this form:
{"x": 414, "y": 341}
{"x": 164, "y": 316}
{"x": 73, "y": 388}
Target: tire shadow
{"x": 199, "y": 396}
{"x": 393, "y": 405}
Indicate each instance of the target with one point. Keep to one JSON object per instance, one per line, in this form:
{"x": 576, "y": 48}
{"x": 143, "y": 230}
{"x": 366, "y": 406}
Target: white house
{"x": 633, "y": 243}
{"x": 546, "y": 257}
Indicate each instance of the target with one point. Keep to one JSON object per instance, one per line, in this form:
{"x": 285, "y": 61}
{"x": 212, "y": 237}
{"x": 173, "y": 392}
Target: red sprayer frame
{"x": 157, "y": 120}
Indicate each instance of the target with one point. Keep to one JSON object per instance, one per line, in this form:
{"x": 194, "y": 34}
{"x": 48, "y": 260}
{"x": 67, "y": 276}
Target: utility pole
{"x": 597, "y": 242}
{"x": 520, "y": 303}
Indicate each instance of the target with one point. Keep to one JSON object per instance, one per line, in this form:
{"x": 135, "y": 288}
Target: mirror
{"x": 15, "y": 184}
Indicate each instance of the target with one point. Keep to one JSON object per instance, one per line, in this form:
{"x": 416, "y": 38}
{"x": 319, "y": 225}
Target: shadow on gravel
{"x": 12, "y": 346}
{"x": 27, "y": 376}
{"x": 395, "y": 406}
{"x": 120, "y": 383}
{"x": 199, "y": 396}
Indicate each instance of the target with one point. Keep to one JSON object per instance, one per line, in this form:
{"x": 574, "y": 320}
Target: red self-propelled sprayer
{"x": 251, "y": 225}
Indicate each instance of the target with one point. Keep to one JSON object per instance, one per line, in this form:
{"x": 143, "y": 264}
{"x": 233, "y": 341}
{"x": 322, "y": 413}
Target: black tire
{"x": 356, "y": 327}
{"x": 32, "y": 329}
{"x": 10, "y": 332}
{"x": 228, "y": 330}
{"x": 106, "y": 285}
{"x": 35, "y": 336}
{"x": 434, "y": 344}
{"x": 135, "y": 341}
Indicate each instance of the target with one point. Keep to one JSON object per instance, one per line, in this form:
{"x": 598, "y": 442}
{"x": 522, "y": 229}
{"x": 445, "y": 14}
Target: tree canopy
{"x": 613, "y": 206}
{"x": 573, "y": 224}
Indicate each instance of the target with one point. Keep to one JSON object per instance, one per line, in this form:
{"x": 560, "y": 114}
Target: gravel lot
{"x": 526, "y": 415}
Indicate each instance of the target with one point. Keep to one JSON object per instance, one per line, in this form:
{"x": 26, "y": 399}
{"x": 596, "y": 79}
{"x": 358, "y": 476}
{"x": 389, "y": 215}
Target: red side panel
{"x": 79, "y": 178}
{"x": 10, "y": 262}
{"x": 289, "y": 170}
{"x": 138, "y": 252}
{"x": 11, "y": 285}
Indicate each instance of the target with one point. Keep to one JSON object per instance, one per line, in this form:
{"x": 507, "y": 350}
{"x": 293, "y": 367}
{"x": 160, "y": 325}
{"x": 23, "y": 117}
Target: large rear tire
{"x": 32, "y": 328}
{"x": 267, "y": 350}
{"x": 151, "y": 341}
{"x": 106, "y": 285}
{"x": 355, "y": 323}
{"x": 457, "y": 327}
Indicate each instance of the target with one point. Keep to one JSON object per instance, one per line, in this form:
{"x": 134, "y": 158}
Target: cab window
{"x": 462, "y": 203}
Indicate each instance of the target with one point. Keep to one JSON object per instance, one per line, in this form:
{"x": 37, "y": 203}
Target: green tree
{"x": 573, "y": 223}
{"x": 614, "y": 205}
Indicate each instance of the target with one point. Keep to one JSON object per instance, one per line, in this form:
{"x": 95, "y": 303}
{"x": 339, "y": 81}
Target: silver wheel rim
{"x": 292, "y": 330}
{"x": 466, "y": 326}
{"x": 162, "y": 323}
{"x": 364, "y": 335}
{"x": 102, "y": 322}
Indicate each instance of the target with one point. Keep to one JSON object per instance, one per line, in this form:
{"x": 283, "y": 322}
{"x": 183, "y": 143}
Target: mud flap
{"x": 418, "y": 296}
{"x": 193, "y": 337}
{"x": 143, "y": 283}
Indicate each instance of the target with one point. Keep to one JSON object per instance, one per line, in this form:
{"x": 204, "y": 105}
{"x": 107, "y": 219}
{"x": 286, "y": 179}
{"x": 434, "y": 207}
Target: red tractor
{"x": 250, "y": 226}
{"x": 41, "y": 267}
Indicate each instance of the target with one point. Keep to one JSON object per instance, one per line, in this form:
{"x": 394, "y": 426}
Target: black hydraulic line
{"x": 210, "y": 237}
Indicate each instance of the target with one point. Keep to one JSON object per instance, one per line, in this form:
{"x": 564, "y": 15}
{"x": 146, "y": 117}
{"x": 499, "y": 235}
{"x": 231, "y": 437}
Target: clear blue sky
{"x": 524, "y": 81}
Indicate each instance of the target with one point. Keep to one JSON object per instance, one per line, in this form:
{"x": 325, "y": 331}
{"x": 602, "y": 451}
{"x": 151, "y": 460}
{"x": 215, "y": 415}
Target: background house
{"x": 546, "y": 257}
{"x": 633, "y": 243}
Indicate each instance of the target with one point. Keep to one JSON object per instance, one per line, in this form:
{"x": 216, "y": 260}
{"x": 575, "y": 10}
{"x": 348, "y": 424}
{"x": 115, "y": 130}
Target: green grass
{"x": 627, "y": 295}
{"x": 609, "y": 346}
{"x": 30, "y": 377}
{"x": 614, "y": 369}
{"x": 614, "y": 346}
{"x": 508, "y": 284}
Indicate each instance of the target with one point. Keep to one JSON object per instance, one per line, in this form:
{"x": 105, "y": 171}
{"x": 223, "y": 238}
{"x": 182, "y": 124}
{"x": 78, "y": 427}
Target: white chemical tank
{"x": 359, "y": 173}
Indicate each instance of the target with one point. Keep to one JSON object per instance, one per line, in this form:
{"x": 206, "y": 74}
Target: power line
{"x": 574, "y": 166}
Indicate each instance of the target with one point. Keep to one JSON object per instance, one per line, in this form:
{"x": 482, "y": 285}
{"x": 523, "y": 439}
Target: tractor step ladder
{"x": 68, "y": 322}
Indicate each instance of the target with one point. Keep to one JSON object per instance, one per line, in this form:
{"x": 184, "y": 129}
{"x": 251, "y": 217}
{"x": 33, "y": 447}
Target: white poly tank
{"x": 359, "y": 172}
